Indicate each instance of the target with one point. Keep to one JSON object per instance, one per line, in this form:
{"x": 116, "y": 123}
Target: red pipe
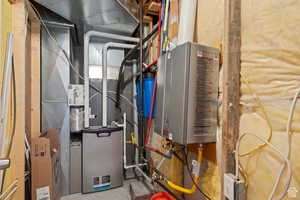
{"x": 155, "y": 81}
{"x": 151, "y": 110}
{"x": 150, "y": 65}
{"x": 155, "y": 86}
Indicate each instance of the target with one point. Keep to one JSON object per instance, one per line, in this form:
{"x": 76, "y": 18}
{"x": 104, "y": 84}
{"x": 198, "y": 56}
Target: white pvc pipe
{"x": 124, "y": 145}
{"x": 187, "y": 21}
{"x": 166, "y": 16}
{"x": 135, "y": 111}
{"x": 145, "y": 175}
{"x": 124, "y": 140}
{"x": 104, "y": 75}
{"x": 87, "y": 38}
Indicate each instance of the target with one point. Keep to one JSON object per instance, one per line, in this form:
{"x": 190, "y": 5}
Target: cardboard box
{"x": 45, "y": 166}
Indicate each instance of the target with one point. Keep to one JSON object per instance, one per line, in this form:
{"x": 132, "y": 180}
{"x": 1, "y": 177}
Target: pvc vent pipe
{"x": 87, "y": 38}
{"x": 187, "y": 20}
{"x": 104, "y": 76}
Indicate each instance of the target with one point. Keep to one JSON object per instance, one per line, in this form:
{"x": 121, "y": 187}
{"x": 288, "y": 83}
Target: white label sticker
{"x": 43, "y": 193}
{"x": 196, "y": 168}
{"x": 170, "y": 136}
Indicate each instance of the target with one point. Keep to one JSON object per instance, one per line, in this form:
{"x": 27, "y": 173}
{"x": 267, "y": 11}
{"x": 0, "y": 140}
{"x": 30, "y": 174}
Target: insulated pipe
{"x": 87, "y": 37}
{"x": 104, "y": 76}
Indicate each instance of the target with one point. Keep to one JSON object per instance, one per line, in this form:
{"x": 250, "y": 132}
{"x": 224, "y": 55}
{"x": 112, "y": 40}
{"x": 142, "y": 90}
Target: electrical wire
{"x": 273, "y": 148}
{"x": 64, "y": 52}
{"x": 191, "y": 176}
{"x": 113, "y": 100}
{"x": 288, "y": 134}
{"x": 66, "y": 55}
{"x": 12, "y": 191}
{"x": 124, "y": 97}
{"x": 57, "y": 45}
{"x": 265, "y": 116}
{"x": 10, "y": 188}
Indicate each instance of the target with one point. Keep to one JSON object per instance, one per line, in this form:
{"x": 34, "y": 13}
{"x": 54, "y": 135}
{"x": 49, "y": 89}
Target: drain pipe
{"x": 104, "y": 98}
{"x": 136, "y": 166}
{"x": 124, "y": 144}
{"x": 87, "y": 38}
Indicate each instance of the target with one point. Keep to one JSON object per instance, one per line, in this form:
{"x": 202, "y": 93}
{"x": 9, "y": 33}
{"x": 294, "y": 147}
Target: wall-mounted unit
{"x": 187, "y": 94}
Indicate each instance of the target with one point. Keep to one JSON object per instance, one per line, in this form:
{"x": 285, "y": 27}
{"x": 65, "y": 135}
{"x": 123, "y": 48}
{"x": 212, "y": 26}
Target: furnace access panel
{"x": 187, "y": 94}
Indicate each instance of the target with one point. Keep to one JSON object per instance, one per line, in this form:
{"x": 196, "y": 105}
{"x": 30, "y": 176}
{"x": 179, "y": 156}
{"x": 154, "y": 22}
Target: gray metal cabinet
{"x": 55, "y": 73}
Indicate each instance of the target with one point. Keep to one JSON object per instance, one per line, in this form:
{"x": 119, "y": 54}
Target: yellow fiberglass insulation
{"x": 270, "y": 69}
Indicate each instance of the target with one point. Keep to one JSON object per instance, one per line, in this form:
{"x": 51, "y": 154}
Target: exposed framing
{"x": 231, "y": 86}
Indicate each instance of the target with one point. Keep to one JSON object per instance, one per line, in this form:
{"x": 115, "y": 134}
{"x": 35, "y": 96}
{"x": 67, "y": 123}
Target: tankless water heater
{"x": 187, "y": 94}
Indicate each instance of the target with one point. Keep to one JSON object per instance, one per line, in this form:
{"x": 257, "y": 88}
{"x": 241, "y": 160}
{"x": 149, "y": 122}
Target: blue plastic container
{"x": 147, "y": 96}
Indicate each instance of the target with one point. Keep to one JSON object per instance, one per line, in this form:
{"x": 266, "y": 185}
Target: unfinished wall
{"x": 13, "y": 19}
{"x": 270, "y": 65}
{"x": 32, "y": 82}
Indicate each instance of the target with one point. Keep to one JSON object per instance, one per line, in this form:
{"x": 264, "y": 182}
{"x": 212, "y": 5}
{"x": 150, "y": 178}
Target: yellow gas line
{"x": 196, "y": 178}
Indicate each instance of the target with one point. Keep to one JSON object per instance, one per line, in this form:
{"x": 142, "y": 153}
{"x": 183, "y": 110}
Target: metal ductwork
{"x": 114, "y": 16}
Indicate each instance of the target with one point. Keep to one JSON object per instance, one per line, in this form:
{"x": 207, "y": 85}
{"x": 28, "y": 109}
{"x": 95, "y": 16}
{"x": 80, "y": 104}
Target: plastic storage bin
{"x": 162, "y": 196}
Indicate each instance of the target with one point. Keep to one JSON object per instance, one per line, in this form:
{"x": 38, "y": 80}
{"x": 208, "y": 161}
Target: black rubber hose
{"x": 190, "y": 173}
{"x": 131, "y": 52}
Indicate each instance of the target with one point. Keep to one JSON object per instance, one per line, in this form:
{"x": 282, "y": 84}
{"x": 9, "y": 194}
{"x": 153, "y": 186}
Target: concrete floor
{"x": 121, "y": 193}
